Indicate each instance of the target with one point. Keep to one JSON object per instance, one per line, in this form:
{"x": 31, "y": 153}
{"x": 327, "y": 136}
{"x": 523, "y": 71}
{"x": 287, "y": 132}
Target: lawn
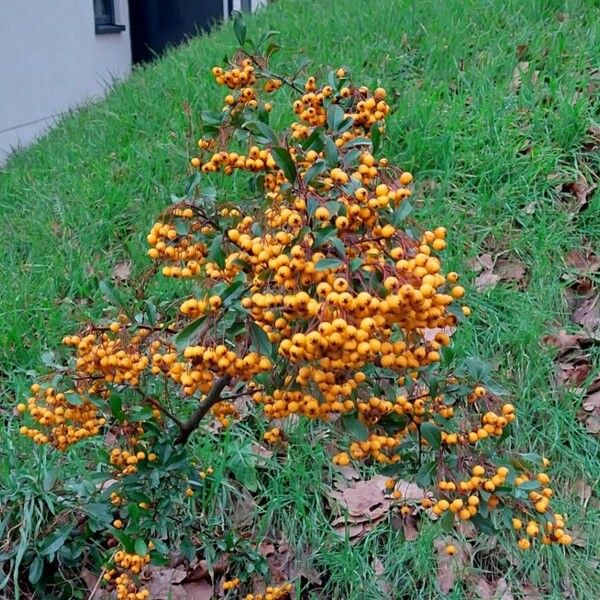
{"x": 496, "y": 112}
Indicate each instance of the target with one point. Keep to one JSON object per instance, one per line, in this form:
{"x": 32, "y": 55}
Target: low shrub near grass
{"x": 312, "y": 292}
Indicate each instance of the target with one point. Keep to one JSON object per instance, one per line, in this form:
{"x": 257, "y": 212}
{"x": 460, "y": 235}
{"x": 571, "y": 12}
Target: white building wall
{"x": 51, "y": 60}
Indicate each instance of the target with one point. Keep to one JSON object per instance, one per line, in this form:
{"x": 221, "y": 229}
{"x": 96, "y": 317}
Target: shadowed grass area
{"x": 490, "y": 153}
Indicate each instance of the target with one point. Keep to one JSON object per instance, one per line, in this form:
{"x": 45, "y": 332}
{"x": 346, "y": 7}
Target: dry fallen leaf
{"x": 447, "y": 565}
{"x": 583, "y": 260}
{"x": 486, "y": 280}
{"x": 510, "y": 270}
{"x": 577, "y": 194}
{"x": 582, "y": 489}
{"x": 365, "y": 499}
{"x": 492, "y": 270}
{"x": 490, "y": 590}
{"x": 194, "y": 590}
{"x": 160, "y": 581}
{"x": 590, "y": 416}
{"x": 587, "y": 313}
{"x": 122, "y": 271}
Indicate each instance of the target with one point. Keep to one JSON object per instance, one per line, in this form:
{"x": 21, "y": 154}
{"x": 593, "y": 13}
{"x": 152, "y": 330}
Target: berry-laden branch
{"x": 212, "y": 398}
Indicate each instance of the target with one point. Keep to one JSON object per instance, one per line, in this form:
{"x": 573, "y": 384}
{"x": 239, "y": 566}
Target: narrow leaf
{"x": 285, "y": 162}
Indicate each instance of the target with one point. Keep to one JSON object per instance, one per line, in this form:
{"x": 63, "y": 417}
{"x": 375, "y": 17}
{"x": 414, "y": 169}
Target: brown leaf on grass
{"x": 160, "y": 581}
{"x": 408, "y": 525}
{"x": 194, "y": 590}
{"x": 577, "y": 194}
{"x": 510, "y": 270}
{"x": 493, "y": 270}
{"x": 482, "y": 262}
{"x": 201, "y": 570}
{"x": 365, "y": 499}
{"x": 517, "y": 77}
{"x": 490, "y": 590}
{"x": 447, "y": 565}
{"x": 590, "y": 416}
{"x": 122, "y": 271}
{"x": 583, "y": 490}
{"x": 567, "y": 342}
{"x": 587, "y": 313}
{"x": 521, "y": 51}
{"x": 583, "y": 260}
{"x": 487, "y": 280}
{"x": 573, "y": 374}
{"x": 531, "y": 592}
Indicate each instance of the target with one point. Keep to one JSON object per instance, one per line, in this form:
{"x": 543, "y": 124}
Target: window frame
{"x": 106, "y": 23}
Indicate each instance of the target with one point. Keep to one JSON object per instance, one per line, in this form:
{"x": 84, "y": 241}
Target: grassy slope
{"x": 80, "y": 200}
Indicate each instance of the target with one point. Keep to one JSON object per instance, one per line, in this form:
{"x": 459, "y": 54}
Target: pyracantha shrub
{"x": 314, "y": 294}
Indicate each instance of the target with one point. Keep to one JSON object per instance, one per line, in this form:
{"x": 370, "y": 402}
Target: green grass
{"x": 80, "y": 200}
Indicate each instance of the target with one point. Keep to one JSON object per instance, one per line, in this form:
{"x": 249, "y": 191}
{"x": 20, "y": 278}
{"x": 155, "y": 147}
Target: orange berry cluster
{"x": 126, "y": 461}
{"x": 272, "y": 593}
{"x": 378, "y": 447}
{"x": 272, "y": 436}
{"x": 204, "y": 362}
{"x": 222, "y": 411}
{"x": 113, "y": 357}
{"x": 255, "y": 161}
{"x": 121, "y": 576}
{"x": 185, "y": 254}
{"x": 231, "y": 584}
{"x": 64, "y": 422}
{"x": 237, "y": 77}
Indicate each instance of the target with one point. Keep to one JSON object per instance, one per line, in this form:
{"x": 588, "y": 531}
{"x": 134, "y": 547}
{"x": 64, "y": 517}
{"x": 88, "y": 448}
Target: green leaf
{"x": 354, "y": 426}
{"x": 314, "y": 171}
{"x": 424, "y": 475}
{"x": 141, "y": 413}
{"x": 484, "y": 525}
{"x": 432, "y": 434}
{"x": 314, "y": 141}
{"x": 262, "y": 128}
{"x": 446, "y": 521}
{"x": 331, "y": 152}
{"x": 151, "y": 312}
{"x": 328, "y": 263}
{"x": 239, "y": 27}
{"x": 356, "y": 264}
{"x": 55, "y": 540}
{"x": 359, "y": 141}
{"x": 192, "y": 183}
{"x": 339, "y": 246}
{"x": 285, "y": 162}
{"x": 529, "y": 486}
{"x": 244, "y": 472}
{"x": 35, "y": 570}
{"x": 215, "y": 252}
{"x": 183, "y": 338}
{"x": 211, "y": 117}
{"x": 375, "y": 137}
{"x": 335, "y": 115}
{"x": 401, "y": 212}
{"x": 115, "y": 401}
{"x": 324, "y": 234}
{"x": 140, "y": 547}
{"x": 73, "y": 398}
{"x": 111, "y": 294}
{"x": 260, "y": 340}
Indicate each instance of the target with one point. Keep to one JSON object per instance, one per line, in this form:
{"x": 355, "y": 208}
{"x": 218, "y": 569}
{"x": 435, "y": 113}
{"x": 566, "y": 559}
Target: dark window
{"x": 104, "y": 17}
{"x": 246, "y": 5}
